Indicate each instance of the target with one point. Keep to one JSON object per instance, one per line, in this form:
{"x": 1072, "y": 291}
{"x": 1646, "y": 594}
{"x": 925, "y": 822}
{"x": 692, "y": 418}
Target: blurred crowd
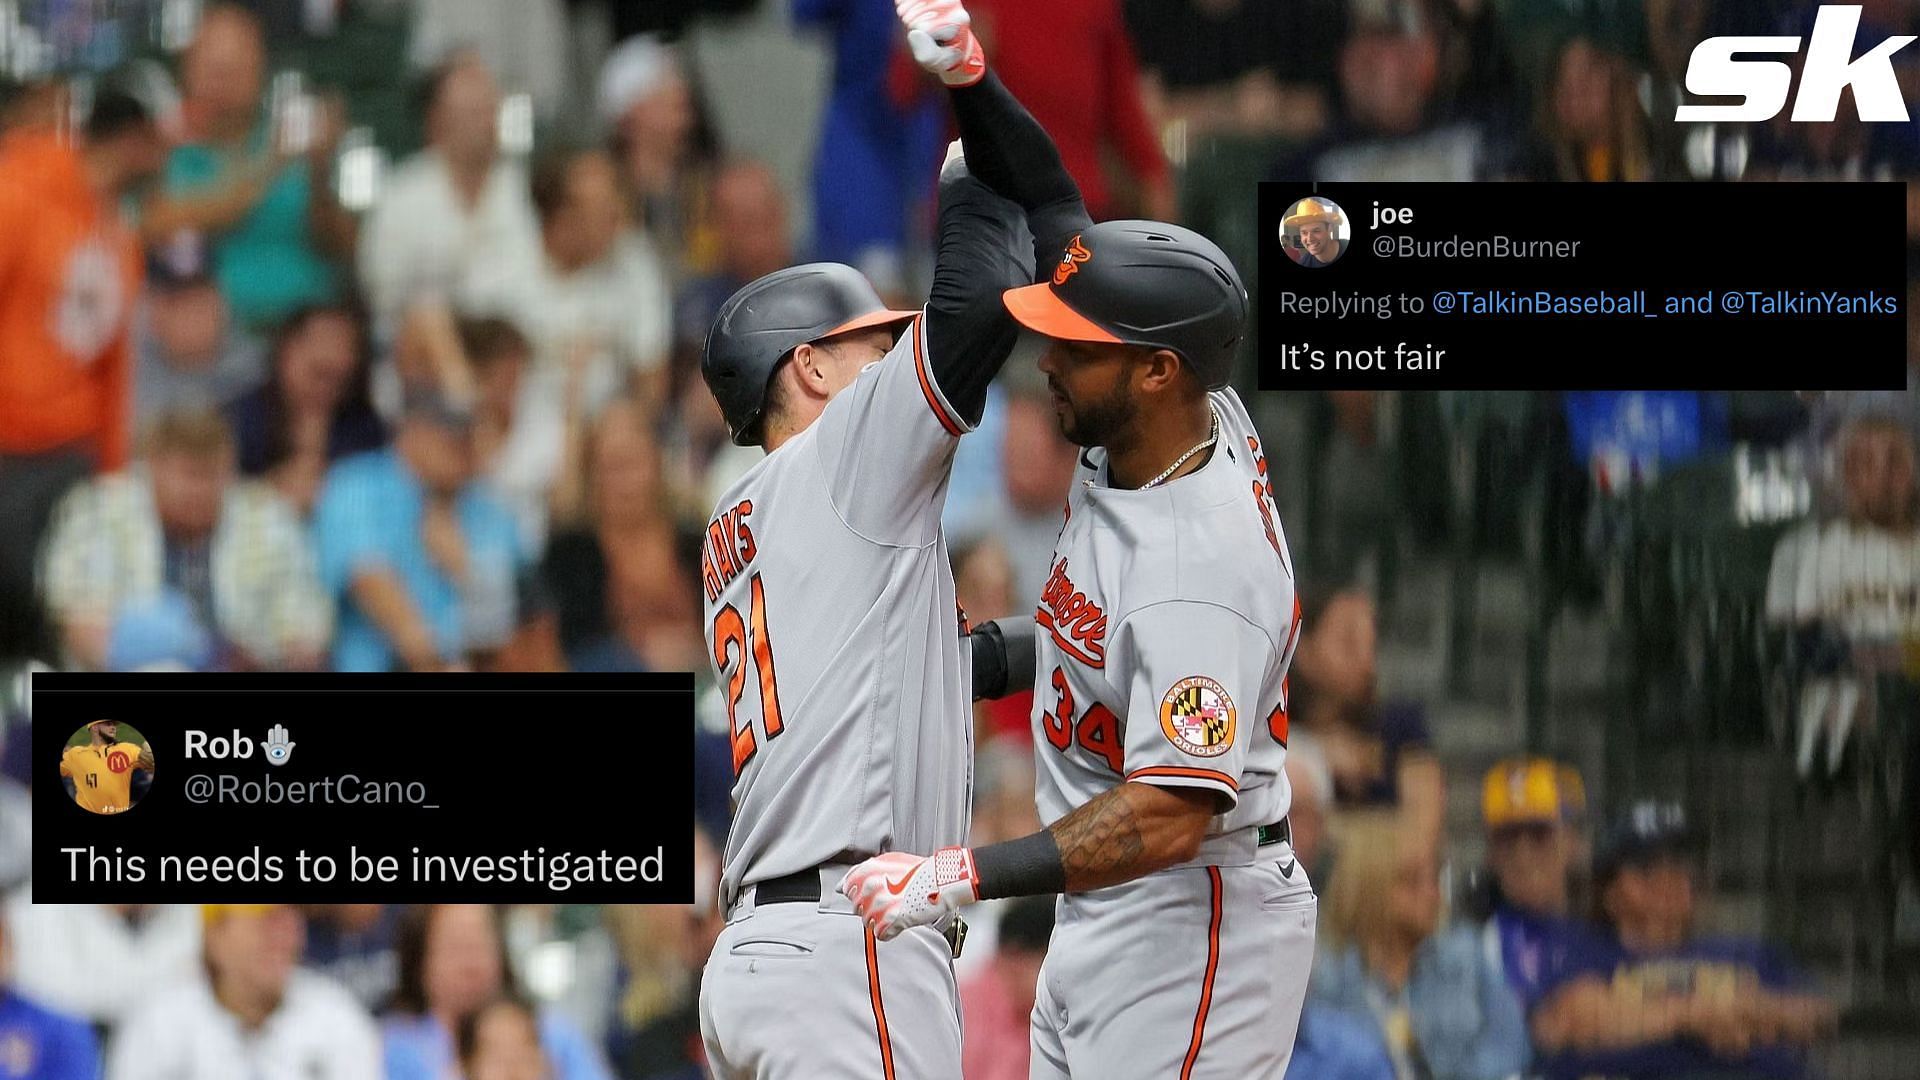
{"x": 363, "y": 335}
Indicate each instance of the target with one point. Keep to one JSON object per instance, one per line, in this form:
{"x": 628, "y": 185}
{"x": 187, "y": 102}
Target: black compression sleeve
{"x": 1006, "y": 214}
{"x": 1003, "y": 658}
{"x": 1029, "y": 866}
{"x": 984, "y": 250}
{"x": 989, "y": 662}
{"x": 1007, "y": 148}
{"x": 1012, "y": 154}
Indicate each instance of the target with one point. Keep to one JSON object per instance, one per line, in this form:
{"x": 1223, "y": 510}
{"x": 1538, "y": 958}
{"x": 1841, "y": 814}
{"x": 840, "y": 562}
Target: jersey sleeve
{"x": 886, "y": 445}
{"x": 1193, "y": 672}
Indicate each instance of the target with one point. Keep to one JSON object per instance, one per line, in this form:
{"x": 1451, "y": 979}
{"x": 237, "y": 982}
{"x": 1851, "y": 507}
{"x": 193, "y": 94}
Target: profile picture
{"x": 1314, "y": 233}
{"x": 107, "y": 767}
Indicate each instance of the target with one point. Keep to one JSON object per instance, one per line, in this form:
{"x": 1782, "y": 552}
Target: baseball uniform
{"x": 1165, "y": 630}
{"x": 102, "y": 776}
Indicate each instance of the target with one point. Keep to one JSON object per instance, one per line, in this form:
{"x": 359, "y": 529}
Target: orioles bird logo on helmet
{"x": 1076, "y": 254}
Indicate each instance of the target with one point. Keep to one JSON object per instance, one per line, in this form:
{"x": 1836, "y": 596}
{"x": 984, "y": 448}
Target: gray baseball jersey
{"x": 1167, "y": 624}
{"x": 1166, "y": 628}
{"x": 834, "y": 632}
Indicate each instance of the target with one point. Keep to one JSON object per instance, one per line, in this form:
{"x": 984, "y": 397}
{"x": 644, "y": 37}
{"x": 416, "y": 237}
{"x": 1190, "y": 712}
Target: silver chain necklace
{"x": 1213, "y": 436}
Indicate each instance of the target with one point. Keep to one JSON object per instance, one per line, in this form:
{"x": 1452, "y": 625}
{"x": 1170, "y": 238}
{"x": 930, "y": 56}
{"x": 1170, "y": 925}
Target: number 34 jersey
{"x": 1165, "y": 630}
{"x": 834, "y": 633}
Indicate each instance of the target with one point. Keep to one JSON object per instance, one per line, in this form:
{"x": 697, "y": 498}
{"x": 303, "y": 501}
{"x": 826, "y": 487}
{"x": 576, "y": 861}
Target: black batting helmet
{"x": 763, "y": 322}
{"x": 1143, "y": 283}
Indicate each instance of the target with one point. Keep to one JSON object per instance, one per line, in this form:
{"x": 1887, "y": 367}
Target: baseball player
{"x": 831, "y": 616}
{"x": 102, "y": 771}
{"x": 1185, "y": 932}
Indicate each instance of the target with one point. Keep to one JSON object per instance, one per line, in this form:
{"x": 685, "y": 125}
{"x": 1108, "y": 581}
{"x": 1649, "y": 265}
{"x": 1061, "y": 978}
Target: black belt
{"x": 800, "y": 888}
{"x": 804, "y": 888}
{"x": 1277, "y": 833}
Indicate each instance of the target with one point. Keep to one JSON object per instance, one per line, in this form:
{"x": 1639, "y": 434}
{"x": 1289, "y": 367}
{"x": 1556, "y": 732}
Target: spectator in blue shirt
{"x": 1533, "y": 809}
{"x": 38, "y": 1043}
{"x": 1648, "y": 998}
{"x": 1429, "y": 994}
{"x": 878, "y": 155}
{"x": 422, "y": 560}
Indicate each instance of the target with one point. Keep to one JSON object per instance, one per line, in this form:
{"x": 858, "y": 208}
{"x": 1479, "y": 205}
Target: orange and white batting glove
{"x": 941, "y": 38}
{"x": 897, "y": 891}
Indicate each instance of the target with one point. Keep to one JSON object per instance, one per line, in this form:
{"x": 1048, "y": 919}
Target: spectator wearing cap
{"x": 189, "y": 352}
{"x": 591, "y": 294}
{"x": 525, "y": 42}
{"x": 457, "y": 204}
{"x": 1429, "y": 993}
{"x": 647, "y": 107}
{"x": 1316, "y": 223}
{"x": 1649, "y": 997}
{"x": 252, "y": 1014}
{"x": 258, "y": 185}
{"x": 36, "y": 1042}
{"x": 422, "y": 560}
{"x": 69, "y": 273}
{"x": 181, "y": 523}
{"x": 315, "y": 407}
{"x": 1533, "y": 809}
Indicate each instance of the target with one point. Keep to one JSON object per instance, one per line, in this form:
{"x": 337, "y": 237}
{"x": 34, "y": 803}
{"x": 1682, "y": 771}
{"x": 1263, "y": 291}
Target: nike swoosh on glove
{"x": 897, "y": 891}
{"x": 940, "y": 36}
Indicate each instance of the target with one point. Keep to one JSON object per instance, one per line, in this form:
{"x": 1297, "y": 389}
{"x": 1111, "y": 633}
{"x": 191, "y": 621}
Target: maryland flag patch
{"x": 1197, "y": 716}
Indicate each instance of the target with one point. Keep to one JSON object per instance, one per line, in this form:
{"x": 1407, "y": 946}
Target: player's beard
{"x": 1096, "y": 422}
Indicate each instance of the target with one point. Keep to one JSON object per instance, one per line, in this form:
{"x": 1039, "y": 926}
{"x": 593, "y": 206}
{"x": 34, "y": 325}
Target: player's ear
{"x": 1160, "y": 370}
{"x": 809, "y": 368}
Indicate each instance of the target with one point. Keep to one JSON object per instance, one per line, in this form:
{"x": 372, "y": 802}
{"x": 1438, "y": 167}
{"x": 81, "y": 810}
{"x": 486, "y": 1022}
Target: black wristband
{"x": 1029, "y": 866}
{"x": 989, "y": 661}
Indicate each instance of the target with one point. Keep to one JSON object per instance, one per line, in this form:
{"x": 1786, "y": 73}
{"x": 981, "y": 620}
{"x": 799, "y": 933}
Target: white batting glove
{"x": 897, "y": 891}
{"x": 940, "y": 35}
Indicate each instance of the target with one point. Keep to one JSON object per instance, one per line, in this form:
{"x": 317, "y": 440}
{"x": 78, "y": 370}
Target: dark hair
{"x": 547, "y": 185}
{"x": 427, "y": 91}
{"x": 1027, "y": 924}
{"x": 194, "y": 430}
{"x": 491, "y": 339}
{"x": 116, "y": 112}
{"x": 357, "y": 401}
{"x": 466, "y": 1034}
{"x": 410, "y": 948}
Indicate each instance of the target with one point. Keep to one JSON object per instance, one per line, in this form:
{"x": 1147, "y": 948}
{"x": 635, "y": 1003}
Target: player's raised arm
{"x": 984, "y": 243}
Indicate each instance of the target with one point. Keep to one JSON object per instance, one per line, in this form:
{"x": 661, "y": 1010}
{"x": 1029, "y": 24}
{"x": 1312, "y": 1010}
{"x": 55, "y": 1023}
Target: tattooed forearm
{"x": 1100, "y": 842}
{"x": 1128, "y": 832}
